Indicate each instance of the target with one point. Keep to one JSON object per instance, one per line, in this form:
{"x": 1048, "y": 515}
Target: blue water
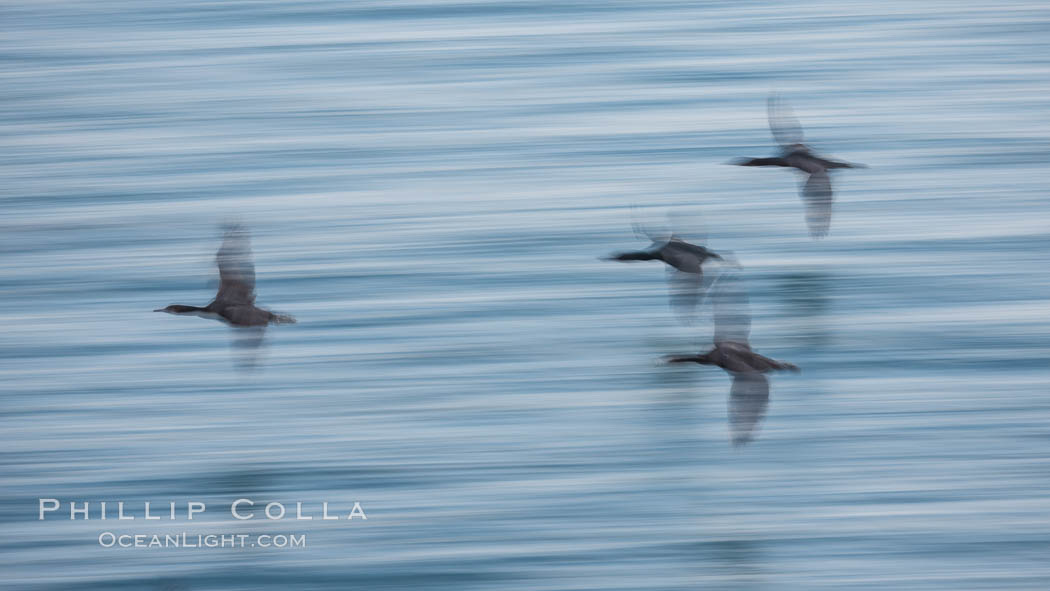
{"x": 430, "y": 186}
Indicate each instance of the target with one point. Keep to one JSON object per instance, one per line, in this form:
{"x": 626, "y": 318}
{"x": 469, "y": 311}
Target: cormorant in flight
{"x": 816, "y": 190}
{"x": 687, "y": 279}
{"x": 749, "y": 394}
{"x": 234, "y": 304}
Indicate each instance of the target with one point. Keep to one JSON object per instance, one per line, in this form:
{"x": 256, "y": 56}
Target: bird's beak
{"x": 159, "y": 310}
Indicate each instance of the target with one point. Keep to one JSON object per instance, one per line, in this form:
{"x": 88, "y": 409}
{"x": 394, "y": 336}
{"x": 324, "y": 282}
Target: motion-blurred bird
{"x": 676, "y": 252}
{"x": 687, "y": 279}
{"x": 749, "y": 394}
{"x": 234, "y": 304}
{"x": 816, "y": 190}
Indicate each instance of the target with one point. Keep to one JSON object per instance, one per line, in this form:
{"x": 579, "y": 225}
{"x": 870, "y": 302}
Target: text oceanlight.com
{"x": 185, "y": 540}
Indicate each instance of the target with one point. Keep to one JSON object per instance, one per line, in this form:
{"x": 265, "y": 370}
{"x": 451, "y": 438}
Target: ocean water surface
{"x": 430, "y": 188}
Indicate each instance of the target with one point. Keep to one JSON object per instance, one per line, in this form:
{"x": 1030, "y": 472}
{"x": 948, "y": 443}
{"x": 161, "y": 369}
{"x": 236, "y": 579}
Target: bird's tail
{"x": 829, "y": 164}
{"x": 282, "y": 319}
{"x": 784, "y": 365}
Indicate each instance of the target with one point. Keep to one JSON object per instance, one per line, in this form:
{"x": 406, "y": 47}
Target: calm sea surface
{"x": 430, "y": 187}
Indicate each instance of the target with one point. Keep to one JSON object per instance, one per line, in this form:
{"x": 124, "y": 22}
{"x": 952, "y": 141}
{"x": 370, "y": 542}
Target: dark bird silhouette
{"x": 749, "y": 394}
{"x": 234, "y": 304}
{"x": 816, "y": 190}
{"x": 676, "y": 252}
{"x": 687, "y": 279}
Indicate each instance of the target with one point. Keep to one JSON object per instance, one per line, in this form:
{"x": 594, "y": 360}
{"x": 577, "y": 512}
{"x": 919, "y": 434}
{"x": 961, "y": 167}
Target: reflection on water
{"x": 428, "y": 186}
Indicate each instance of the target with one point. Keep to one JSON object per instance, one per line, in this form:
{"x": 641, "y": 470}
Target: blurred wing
{"x": 748, "y": 399}
{"x": 246, "y": 344}
{"x": 732, "y": 310}
{"x": 659, "y": 233}
{"x": 688, "y": 225}
{"x": 687, "y": 291}
{"x": 782, "y": 122}
{"x": 817, "y": 195}
{"x": 236, "y": 270}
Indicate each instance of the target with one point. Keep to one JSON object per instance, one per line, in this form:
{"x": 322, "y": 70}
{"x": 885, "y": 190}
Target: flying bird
{"x": 749, "y": 394}
{"x": 687, "y": 278}
{"x": 234, "y": 304}
{"x": 816, "y": 190}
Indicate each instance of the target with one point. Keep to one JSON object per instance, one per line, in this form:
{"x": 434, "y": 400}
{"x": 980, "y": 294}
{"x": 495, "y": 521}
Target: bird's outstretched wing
{"x": 816, "y": 192}
{"x": 787, "y": 131}
{"x": 683, "y": 224}
{"x": 246, "y": 344}
{"x": 731, "y": 308}
{"x": 236, "y": 269}
{"x": 748, "y": 399}
{"x": 659, "y": 232}
{"x": 688, "y": 225}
